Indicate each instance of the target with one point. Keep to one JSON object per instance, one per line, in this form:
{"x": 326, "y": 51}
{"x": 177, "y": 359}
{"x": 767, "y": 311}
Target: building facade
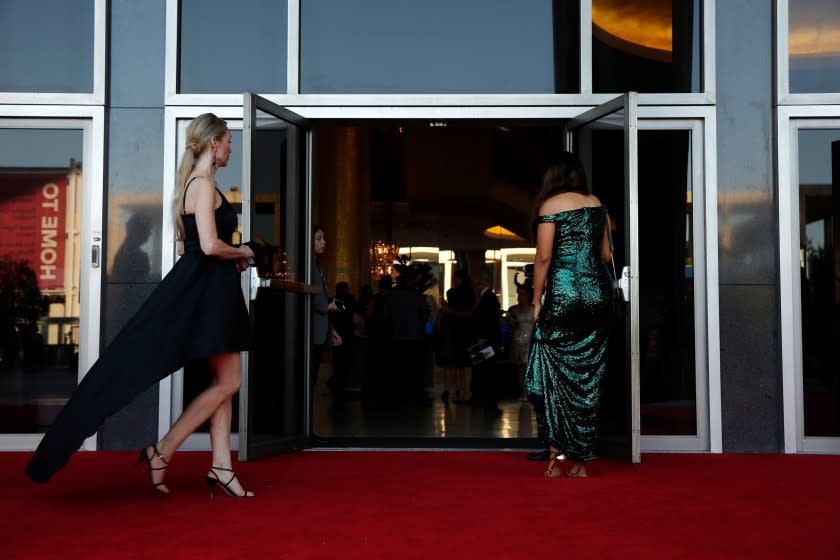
{"x": 728, "y": 150}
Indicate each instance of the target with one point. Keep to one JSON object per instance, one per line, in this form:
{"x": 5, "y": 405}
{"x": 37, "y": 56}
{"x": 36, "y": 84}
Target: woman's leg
{"x": 553, "y": 470}
{"x": 448, "y": 378}
{"x": 578, "y": 468}
{"x": 220, "y": 433}
{"x": 467, "y": 394}
{"x": 226, "y": 371}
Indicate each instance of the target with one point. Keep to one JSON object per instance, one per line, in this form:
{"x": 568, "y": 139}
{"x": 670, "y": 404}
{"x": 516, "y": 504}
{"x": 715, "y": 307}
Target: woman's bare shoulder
{"x": 564, "y": 202}
{"x": 199, "y": 187}
{"x": 201, "y": 182}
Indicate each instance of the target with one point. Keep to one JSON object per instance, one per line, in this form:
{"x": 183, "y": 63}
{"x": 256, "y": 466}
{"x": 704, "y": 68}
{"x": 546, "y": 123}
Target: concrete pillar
{"x": 341, "y": 179}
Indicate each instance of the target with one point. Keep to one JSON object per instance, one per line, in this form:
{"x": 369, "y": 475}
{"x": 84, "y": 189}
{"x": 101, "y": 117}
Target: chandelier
{"x": 382, "y": 256}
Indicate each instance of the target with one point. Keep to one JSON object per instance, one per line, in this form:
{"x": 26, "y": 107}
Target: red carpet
{"x": 429, "y": 505}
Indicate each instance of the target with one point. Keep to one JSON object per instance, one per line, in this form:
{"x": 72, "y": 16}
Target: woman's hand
{"x": 247, "y": 258}
{"x": 242, "y": 264}
{"x": 535, "y": 312}
{"x": 336, "y": 338}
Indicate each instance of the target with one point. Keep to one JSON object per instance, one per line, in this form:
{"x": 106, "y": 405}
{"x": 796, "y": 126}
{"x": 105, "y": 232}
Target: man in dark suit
{"x": 485, "y": 319}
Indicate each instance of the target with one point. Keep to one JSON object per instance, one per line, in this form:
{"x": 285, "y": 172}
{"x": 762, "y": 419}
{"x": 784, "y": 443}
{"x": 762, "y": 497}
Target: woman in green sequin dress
{"x": 569, "y": 346}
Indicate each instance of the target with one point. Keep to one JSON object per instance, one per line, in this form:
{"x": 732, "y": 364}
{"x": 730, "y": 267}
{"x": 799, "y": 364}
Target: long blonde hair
{"x": 200, "y": 132}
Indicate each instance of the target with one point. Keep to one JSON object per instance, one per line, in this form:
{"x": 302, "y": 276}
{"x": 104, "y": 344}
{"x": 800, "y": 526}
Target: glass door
{"x": 51, "y": 264}
{"x": 815, "y": 240}
{"x": 673, "y": 372}
{"x": 274, "y": 395}
{"x": 606, "y": 140}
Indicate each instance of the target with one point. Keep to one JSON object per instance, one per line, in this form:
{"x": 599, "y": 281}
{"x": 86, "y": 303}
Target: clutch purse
{"x": 479, "y": 354}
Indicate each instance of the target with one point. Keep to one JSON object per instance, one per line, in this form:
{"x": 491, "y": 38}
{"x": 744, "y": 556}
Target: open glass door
{"x": 274, "y": 395}
{"x": 605, "y": 139}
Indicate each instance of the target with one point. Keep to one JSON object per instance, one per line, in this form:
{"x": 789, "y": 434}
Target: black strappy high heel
{"x": 212, "y": 481}
{"x": 148, "y": 458}
{"x": 554, "y": 457}
{"x": 576, "y": 472}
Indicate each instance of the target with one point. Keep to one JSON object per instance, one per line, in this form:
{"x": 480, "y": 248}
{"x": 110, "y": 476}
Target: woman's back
{"x": 579, "y": 286}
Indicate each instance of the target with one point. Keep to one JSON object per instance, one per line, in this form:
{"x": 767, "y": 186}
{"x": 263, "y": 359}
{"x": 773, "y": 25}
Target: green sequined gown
{"x": 568, "y": 354}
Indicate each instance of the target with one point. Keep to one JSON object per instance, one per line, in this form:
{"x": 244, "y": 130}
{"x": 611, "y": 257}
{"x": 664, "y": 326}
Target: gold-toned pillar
{"x": 341, "y": 180}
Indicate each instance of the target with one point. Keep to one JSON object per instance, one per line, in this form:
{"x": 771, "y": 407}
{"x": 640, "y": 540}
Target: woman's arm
{"x": 449, "y": 311}
{"x": 204, "y": 192}
{"x": 606, "y": 245}
{"x": 336, "y": 338}
{"x": 542, "y": 260}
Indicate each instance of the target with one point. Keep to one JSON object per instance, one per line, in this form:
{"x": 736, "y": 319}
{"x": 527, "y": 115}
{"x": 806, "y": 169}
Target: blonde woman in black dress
{"x": 197, "y": 312}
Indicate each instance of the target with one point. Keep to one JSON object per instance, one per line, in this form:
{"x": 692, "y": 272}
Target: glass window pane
{"x": 438, "y": 46}
{"x": 814, "y": 46}
{"x": 40, "y": 221}
{"x": 646, "y": 46}
{"x": 666, "y": 289}
{"x": 46, "y": 46}
{"x": 231, "y": 47}
{"x": 819, "y": 260}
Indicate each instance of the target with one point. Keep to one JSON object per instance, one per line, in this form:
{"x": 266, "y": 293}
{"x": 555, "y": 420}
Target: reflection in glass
{"x": 437, "y": 46}
{"x": 40, "y": 258}
{"x": 231, "y": 47}
{"x": 47, "y": 46}
{"x": 646, "y": 46}
{"x": 814, "y": 46}
{"x": 819, "y": 234}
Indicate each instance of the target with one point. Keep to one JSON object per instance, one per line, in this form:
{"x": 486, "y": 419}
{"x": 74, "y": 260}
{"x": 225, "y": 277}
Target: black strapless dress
{"x": 196, "y": 311}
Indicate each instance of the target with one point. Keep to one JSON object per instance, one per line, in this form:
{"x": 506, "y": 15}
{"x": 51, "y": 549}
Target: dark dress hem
{"x": 195, "y": 312}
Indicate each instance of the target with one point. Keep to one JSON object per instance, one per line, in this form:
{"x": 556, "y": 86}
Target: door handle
{"x": 255, "y": 281}
{"x": 96, "y": 252}
{"x": 624, "y": 283}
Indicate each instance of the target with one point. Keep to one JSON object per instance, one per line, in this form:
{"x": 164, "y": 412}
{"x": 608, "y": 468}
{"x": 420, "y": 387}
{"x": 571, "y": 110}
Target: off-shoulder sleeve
{"x": 547, "y": 219}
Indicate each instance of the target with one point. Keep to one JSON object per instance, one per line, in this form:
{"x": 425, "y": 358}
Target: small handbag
{"x": 479, "y": 354}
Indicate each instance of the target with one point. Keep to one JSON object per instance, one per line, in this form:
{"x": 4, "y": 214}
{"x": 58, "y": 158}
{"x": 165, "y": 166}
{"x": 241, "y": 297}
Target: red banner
{"x": 33, "y": 223}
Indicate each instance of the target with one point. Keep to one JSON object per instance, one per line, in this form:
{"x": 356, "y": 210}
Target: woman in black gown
{"x": 196, "y": 312}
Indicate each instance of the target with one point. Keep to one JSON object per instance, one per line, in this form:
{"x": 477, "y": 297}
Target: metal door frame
{"x": 628, "y": 103}
{"x": 251, "y": 104}
{"x": 790, "y": 121}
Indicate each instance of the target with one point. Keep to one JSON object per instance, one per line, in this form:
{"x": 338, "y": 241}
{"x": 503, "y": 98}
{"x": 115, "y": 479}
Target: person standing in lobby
{"x": 569, "y": 347}
{"x": 409, "y": 312}
{"x": 323, "y": 334}
{"x": 485, "y": 318}
{"x": 456, "y": 336}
